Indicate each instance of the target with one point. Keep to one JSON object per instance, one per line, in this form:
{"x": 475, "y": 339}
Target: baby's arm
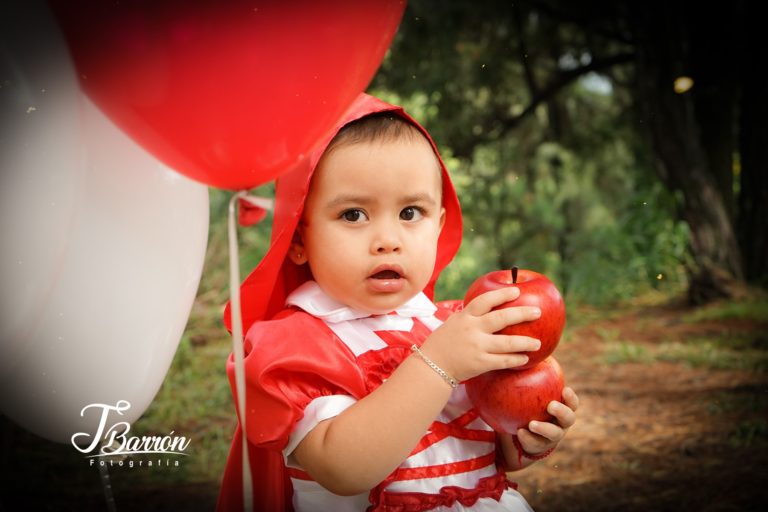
{"x": 354, "y": 451}
{"x": 541, "y": 436}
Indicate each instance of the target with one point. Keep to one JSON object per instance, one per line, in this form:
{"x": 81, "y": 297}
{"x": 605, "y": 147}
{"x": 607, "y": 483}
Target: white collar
{"x": 312, "y": 299}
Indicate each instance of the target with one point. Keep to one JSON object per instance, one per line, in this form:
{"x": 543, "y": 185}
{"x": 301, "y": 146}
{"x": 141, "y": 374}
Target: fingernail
{"x": 537, "y": 312}
{"x": 537, "y": 345}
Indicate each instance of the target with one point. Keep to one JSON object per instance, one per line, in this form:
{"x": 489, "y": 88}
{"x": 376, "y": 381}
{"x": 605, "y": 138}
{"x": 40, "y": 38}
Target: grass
{"x": 739, "y": 342}
{"x": 749, "y": 399}
{"x": 195, "y": 401}
{"x": 607, "y": 334}
{"x": 618, "y": 351}
{"x": 716, "y": 353}
{"x": 749, "y": 433}
{"x": 581, "y": 315}
{"x": 755, "y": 310}
{"x": 748, "y": 403}
{"x": 627, "y": 352}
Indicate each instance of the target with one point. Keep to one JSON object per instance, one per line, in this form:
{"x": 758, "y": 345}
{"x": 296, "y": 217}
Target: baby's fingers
{"x": 564, "y": 415}
{"x": 535, "y": 443}
{"x": 485, "y": 302}
{"x": 570, "y": 398}
{"x": 509, "y": 344}
{"x": 547, "y": 430}
{"x": 505, "y": 361}
{"x": 501, "y": 318}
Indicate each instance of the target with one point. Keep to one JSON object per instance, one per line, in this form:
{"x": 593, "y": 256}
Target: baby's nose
{"x": 386, "y": 243}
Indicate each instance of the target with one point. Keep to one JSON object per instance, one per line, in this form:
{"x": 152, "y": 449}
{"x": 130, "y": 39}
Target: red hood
{"x": 264, "y": 291}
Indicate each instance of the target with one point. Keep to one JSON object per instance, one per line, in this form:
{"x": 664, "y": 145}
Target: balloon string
{"x": 261, "y": 202}
{"x": 106, "y": 485}
{"x": 237, "y": 343}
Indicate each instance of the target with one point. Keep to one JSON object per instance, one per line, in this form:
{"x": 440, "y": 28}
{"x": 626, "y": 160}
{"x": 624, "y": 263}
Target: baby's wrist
{"x": 434, "y": 353}
{"x": 447, "y": 377}
{"x": 532, "y": 456}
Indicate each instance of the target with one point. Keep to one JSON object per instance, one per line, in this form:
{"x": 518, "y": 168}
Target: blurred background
{"x": 618, "y": 147}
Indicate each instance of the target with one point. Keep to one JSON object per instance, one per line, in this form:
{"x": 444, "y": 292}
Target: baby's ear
{"x": 296, "y": 252}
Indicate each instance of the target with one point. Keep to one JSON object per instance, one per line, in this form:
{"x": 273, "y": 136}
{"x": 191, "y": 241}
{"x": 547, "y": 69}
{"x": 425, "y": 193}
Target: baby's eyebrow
{"x": 363, "y": 200}
{"x": 349, "y": 199}
{"x": 420, "y": 198}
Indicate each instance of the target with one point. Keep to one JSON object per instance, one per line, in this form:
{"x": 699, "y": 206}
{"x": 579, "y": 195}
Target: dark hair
{"x": 381, "y": 126}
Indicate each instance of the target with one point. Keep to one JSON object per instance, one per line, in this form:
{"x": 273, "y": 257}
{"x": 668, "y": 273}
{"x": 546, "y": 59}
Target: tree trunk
{"x": 663, "y": 54}
{"x": 715, "y": 68}
{"x": 753, "y": 139}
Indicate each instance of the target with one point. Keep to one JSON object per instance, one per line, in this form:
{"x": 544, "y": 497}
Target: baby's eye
{"x": 411, "y": 213}
{"x": 354, "y": 215}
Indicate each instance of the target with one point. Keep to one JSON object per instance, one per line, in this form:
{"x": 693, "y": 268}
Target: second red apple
{"x": 510, "y": 399}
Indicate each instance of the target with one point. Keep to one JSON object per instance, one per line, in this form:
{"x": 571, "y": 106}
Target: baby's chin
{"x": 364, "y": 300}
{"x": 372, "y": 309}
{"x": 381, "y": 305}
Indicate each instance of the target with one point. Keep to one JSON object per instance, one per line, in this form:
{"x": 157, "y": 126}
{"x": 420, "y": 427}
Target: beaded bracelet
{"x": 447, "y": 378}
{"x": 522, "y": 453}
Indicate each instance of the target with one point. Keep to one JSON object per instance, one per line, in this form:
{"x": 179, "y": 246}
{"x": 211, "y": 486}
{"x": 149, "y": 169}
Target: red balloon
{"x": 230, "y": 93}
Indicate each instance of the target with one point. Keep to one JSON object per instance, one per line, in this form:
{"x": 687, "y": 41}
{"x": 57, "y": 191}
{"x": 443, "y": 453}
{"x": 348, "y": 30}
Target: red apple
{"x": 510, "y": 399}
{"x": 535, "y": 290}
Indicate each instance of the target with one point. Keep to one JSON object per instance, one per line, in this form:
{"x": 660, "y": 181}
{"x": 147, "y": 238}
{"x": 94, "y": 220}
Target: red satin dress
{"x": 319, "y": 357}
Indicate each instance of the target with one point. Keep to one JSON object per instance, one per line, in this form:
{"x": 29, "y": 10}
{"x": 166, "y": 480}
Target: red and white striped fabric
{"x": 453, "y": 467}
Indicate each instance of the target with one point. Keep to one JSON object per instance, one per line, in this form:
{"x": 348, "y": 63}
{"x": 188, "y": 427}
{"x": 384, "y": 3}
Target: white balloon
{"x": 103, "y": 247}
{"x": 41, "y": 164}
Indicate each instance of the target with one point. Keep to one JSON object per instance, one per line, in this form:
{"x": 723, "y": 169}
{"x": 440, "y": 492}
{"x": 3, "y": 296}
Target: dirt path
{"x": 658, "y": 435}
{"x": 669, "y": 421}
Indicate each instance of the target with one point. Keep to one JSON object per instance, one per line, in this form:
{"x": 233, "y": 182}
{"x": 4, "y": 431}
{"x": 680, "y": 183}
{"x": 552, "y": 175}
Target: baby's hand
{"x": 541, "y": 436}
{"x": 466, "y": 344}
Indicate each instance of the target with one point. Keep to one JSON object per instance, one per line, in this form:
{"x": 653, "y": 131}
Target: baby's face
{"x": 371, "y": 222}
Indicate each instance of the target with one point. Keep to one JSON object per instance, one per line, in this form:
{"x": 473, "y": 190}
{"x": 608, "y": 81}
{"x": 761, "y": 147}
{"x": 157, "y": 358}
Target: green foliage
{"x": 569, "y": 191}
{"x": 584, "y": 219}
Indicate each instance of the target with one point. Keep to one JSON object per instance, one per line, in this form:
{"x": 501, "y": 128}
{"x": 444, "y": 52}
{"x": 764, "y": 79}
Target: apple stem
{"x": 514, "y": 275}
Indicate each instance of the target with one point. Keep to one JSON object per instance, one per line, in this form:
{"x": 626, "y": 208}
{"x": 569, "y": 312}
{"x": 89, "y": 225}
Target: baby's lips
{"x": 386, "y": 274}
{"x": 387, "y": 271}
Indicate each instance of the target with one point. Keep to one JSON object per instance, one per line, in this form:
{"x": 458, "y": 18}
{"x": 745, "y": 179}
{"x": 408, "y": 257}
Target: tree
{"x": 491, "y": 67}
{"x": 694, "y": 133}
{"x": 752, "y": 207}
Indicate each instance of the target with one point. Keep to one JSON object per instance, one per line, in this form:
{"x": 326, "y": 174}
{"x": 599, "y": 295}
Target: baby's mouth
{"x": 387, "y": 279}
{"x": 386, "y": 274}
